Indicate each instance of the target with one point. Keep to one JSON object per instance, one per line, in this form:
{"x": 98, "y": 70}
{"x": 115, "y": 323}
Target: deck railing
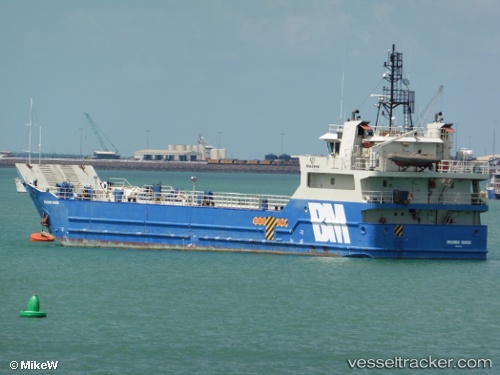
{"x": 406, "y": 197}
{"x": 463, "y": 166}
{"x": 444, "y": 166}
{"x": 167, "y": 195}
{"x": 381, "y": 130}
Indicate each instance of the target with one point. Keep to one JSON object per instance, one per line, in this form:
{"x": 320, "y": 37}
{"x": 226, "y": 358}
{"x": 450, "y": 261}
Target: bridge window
{"x": 329, "y": 181}
{"x": 333, "y": 147}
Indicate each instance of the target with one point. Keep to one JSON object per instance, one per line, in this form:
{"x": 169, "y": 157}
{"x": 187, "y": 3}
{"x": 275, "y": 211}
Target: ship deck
{"x": 167, "y": 195}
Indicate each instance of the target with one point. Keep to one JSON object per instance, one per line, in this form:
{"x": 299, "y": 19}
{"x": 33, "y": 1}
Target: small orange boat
{"x": 41, "y": 236}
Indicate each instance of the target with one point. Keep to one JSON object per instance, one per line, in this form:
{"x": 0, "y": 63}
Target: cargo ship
{"x": 385, "y": 190}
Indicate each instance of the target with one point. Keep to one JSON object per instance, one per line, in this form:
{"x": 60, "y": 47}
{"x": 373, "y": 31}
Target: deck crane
{"x": 425, "y": 113}
{"x": 105, "y": 153}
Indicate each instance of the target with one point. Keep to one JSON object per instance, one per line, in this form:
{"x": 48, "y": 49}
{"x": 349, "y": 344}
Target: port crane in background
{"x": 105, "y": 153}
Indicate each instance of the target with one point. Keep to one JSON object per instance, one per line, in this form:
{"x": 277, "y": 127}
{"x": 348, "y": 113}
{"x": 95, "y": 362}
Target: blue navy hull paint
{"x": 134, "y": 225}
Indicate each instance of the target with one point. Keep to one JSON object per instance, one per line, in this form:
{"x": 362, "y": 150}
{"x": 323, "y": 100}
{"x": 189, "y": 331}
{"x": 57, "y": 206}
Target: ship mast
{"x": 395, "y": 95}
{"x": 31, "y": 126}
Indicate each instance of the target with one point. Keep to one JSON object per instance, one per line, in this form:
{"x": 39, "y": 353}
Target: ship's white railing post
{"x": 167, "y": 195}
{"x": 193, "y": 179}
{"x": 374, "y": 196}
{"x": 460, "y": 166}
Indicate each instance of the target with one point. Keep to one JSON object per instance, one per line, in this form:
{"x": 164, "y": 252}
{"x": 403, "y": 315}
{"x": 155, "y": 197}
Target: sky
{"x": 253, "y": 77}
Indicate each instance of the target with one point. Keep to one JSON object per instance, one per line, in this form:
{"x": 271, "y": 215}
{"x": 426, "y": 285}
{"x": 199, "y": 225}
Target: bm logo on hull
{"x": 329, "y": 222}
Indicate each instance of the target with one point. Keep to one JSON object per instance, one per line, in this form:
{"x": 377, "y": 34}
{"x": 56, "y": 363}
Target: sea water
{"x": 113, "y": 311}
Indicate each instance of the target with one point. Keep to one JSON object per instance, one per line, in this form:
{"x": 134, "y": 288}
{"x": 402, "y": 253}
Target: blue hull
{"x": 297, "y": 229}
{"x": 491, "y": 194}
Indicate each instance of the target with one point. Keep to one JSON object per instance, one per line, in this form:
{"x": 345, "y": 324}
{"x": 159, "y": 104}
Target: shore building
{"x": 182, "y": 153}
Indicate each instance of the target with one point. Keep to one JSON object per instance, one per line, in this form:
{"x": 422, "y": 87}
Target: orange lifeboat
{"x": 41, "y": 236}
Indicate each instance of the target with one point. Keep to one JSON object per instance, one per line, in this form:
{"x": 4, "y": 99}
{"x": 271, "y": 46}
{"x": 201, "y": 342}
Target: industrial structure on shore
{"x": 180, "y": 152}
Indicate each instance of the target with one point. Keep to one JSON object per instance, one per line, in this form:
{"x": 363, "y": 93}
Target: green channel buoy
{"x": 33, "y": 310}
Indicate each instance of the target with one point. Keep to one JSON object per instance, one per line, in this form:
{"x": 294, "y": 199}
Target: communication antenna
{"x": 341, "y": 114}
{"x": 395, "y": 95}
{"x": 341, "y": 99}
{"x": 31, "y": 126}
{"x": 494, "y": 135}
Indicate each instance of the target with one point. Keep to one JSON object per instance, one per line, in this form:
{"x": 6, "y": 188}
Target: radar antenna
{"x": 395, "y": 95}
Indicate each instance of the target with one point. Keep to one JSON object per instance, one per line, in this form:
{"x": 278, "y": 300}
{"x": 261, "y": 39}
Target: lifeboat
{"x": 41, "y": 237}
{"x": 416, "y": 160}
